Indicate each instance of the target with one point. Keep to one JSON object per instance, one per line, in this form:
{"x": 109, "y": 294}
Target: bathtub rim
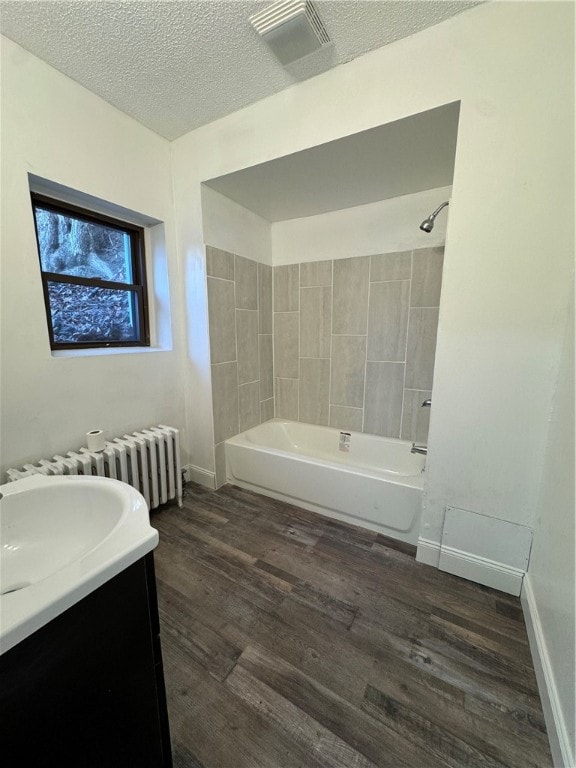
{"x": 412, "y": 481}
{"x": 409, "y": 481}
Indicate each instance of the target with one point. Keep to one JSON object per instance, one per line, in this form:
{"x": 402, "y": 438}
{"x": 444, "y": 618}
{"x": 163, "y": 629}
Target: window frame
{"x": 138, "y": 286}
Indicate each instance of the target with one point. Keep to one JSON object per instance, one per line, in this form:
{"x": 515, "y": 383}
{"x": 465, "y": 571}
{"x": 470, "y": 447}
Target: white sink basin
{"x": 61, "y": 538}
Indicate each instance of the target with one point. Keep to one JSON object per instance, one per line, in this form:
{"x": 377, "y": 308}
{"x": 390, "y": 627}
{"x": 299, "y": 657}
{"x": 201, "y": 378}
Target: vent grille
{"x": 316, "y": 23}
{"x": 292, "y": 28}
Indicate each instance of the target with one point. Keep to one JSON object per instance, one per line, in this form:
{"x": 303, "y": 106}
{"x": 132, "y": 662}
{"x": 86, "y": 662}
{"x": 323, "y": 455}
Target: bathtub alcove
{"x": 323, "y": 305}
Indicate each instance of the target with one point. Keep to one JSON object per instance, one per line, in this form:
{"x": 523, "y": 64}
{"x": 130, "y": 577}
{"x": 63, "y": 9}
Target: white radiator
{"x": 148, "y": 460}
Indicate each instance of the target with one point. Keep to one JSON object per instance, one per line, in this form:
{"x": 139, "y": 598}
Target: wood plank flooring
{"x": 294, "y": 641}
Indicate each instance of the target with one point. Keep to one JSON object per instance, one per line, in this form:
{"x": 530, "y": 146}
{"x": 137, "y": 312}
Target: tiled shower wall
{"x": 240, "y": 323}
{"x": 355, "y": 339}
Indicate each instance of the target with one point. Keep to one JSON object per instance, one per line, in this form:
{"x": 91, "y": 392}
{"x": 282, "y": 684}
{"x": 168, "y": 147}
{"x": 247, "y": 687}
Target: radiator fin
{"x": 148, "y": 460}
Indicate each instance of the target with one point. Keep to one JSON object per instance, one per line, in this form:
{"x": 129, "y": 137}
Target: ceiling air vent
{"x": 292, "y": 28}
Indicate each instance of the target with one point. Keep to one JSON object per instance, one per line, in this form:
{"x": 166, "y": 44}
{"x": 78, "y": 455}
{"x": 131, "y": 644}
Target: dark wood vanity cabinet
{"x": 87, "y": 689}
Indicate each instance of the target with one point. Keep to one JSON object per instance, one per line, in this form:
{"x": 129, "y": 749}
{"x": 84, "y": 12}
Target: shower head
{"x": 428, "y": 224}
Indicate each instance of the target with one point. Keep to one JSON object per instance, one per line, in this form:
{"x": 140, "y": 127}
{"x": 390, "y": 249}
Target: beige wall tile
{"x": 246, "y": 279}
{"x": 286, "y": 288}
{"x": 247, "y": 330}
{"x": 286, "y": 344}
{"x": 220, "y": 456}
{"x": 313, "y": 391}
{"x": 346, "y": 418}
{"x": 265, "y": 298}
{"x": 266, "y": 410}
{"x": 388, "y": 320}
{"x": 421, "y": 348}
{"x": 415, "y": 419}
{"x": 286, "y": 399}
{"x": 390, "y": 266}
{"x": 383, "y": 404}
{"x": 350, "y": 297}
{"x": 219, "y": 263}
{"x": 426, "y": 277}
{"x": 222, "y": 321}
{"x": 249, "y": 405}
{"x": 266, "y": 367}
{"x": 347, "y": 370}
{"x": 315, "y": 321}
{"x": 316, "y": 273}
{"x": 225, "y": 400}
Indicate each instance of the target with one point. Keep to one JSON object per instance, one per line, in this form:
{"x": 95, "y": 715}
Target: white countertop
{"x": 61, "y": 538}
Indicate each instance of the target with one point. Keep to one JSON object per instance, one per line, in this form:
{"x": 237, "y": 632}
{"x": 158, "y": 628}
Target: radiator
{"x": 149, "y": 460}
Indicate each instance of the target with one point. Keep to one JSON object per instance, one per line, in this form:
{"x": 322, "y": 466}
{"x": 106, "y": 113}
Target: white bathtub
{"x": 377, "y": 484}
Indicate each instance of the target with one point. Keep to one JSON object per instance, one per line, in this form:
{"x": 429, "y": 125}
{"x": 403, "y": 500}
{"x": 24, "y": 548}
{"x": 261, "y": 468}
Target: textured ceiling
{"x": 175, "y": 65}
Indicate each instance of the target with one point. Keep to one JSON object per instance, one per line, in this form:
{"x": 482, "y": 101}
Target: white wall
{"x": 509, "y": 238}
{"x": 233, "y": 228}
{"x": 55, "y": 129}
{"x": 549, "y": 592}
{"x": 507, "y": 269}
{"x": 382, "y": 227}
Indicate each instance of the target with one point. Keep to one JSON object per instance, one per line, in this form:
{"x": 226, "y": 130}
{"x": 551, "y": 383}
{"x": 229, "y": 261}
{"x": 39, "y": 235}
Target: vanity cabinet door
{"x": 87, "y": 690}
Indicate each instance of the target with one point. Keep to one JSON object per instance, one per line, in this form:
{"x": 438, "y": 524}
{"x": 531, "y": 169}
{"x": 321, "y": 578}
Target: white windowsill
{"x": 102, "y": 351}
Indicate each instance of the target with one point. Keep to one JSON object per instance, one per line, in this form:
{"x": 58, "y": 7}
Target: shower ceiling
{"x": 399, "y": 158}
{"x": 175, "y": 65}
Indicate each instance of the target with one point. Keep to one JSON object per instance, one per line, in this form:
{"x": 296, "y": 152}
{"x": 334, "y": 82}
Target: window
{"x": 93, "y": 274}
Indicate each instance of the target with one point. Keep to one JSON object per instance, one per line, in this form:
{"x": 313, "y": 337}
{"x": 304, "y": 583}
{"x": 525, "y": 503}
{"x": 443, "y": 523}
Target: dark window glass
{"x": 93, "y": 275}
{"x": 83, "y": 313}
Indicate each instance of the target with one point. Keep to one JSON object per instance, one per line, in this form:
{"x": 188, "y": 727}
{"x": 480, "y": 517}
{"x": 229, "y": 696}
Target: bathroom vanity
{"x": 81, "y": 677}
{"x": 87, "y": 689}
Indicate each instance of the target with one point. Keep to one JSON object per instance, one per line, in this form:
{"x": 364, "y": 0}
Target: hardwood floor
{"x": 295, "y": 641}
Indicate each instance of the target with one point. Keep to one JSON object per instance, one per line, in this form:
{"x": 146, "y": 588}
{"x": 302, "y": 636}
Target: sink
{"x": 49, "y": 526}
{"x": 61, "y": 538}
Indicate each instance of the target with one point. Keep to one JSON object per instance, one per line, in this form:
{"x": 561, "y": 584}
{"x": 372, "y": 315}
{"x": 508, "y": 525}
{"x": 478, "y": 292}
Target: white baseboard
{"x": 428, "y": 552}
{"x": 482, "y": 570}
{"x": 200, "y": 476}
{"x": 562, "y": 754}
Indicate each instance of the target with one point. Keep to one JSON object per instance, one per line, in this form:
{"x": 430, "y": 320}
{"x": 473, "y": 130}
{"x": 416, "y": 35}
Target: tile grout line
{"x": 406, "y": 345}
{"x": 272, "y": 303}
{"x": 261, "y": 272}
{"x": 322, "y": 288}
{"x": 215, "y": 277}
{"x": 214, "y": 443}
{"x": 299, "y": 320}
{"x": 388, "y": 362}
{"x": 366, "y": 349}
{"x": 307, "y": 357}
{"x": 258, "y": 304}
{"x": 393, "y": 280}
{"x": 236, "y": 337}
{"x": 331, "y": 338}
{"x": 259, "y": 379}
